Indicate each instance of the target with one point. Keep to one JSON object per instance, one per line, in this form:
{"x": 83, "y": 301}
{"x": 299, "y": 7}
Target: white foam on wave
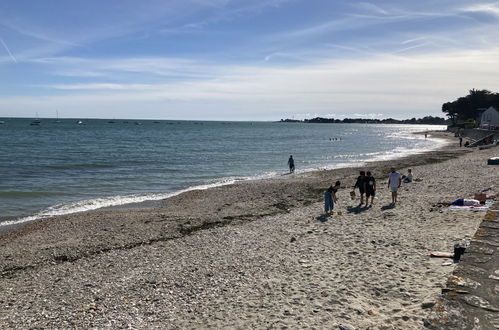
{"x": 98, "y": 203}
{"x": 399, "y": 152}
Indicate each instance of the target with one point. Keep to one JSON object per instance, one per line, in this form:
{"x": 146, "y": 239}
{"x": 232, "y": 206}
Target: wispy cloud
{"x": 344, "y": 86}
{"x": 484, "y": 8}
{"x": 8, "y": 50}
{"x": 105, "y": 87}
{"x": 226, "y": 11}
{"x": 143, "y": 68}
{"x": 36, "y": 34}
{"x": 370, "y": 7}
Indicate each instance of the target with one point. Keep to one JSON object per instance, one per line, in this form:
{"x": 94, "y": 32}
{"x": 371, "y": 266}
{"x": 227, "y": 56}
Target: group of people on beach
{"x": 366, "y": 184}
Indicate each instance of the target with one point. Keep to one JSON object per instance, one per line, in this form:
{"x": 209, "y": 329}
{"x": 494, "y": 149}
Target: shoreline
{"x": 252, "y": 254}
{"x": 14, "y": 222}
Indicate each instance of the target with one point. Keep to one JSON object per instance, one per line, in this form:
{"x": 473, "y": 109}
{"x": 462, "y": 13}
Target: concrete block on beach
{"x": 471, "y": 297}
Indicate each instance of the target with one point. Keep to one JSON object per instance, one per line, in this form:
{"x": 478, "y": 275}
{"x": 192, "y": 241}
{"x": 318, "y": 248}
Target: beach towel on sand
{"x": 471, "y": 206}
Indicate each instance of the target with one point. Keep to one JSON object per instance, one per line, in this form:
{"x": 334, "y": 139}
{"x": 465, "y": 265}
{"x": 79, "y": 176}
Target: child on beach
{"x": 370, "y": 187}
{"x": 330, "y": 198}
{"x": 360, "y": 184}
{"x": 408, "y": 178}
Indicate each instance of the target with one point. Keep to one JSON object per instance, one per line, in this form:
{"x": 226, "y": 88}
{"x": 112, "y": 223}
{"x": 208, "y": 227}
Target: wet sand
{"x": 249, "y": 255}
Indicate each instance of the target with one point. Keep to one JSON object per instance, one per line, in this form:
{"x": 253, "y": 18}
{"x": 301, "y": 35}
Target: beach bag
{"x": 481, "y": 197}
{"x": 459, "y": 250}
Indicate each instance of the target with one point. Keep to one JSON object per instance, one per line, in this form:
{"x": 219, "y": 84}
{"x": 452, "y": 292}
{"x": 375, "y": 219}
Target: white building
{"x": 489, "y": 119}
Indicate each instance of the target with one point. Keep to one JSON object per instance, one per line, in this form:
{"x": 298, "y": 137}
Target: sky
{"x": 243, "y": 60}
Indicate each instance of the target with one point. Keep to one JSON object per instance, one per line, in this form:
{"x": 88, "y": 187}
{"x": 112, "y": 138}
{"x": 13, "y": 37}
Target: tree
{"x": 465, "y": 107}
{"x": 450, "y": 111}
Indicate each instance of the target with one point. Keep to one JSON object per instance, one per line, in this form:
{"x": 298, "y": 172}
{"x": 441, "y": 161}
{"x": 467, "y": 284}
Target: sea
{"x": 66, "y": 166}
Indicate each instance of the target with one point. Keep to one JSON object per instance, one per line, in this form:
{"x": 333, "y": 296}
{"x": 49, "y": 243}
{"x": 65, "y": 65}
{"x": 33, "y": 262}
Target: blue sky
{"x": 243, "y": 60}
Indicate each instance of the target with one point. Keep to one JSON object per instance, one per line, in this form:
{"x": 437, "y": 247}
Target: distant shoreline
{"x": 413, "y": 121}
{"x": 428, "y": 120}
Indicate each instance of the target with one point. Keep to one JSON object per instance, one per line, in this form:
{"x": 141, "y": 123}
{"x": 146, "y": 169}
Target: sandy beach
{"x": 251, "y": 255}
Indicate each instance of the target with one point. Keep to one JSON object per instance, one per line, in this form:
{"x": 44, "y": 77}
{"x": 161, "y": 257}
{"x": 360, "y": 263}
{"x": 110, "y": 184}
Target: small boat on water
{"x": 79, "y": 122}
{"x": 37, "y": 121}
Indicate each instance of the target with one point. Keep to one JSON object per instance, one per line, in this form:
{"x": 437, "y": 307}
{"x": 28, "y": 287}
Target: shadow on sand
{"x": 321, "y": 218}
{"x": 388, "y": 207}
{"x": 357, "y": 209}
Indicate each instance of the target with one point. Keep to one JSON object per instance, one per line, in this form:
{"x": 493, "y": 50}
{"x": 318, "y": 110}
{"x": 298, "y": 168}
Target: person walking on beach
{"x": 460, "y": 141}
{"x": 394, "y": 182}
{"x": 291, "y": 164}
{"x": 370, "y": 187}
{"x": 330, "y": 198}
{"x": 360, "y": 184}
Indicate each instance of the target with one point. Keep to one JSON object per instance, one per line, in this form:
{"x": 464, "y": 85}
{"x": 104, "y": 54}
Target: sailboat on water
{"x": 36, "y": 122}
{"x": 57, "y": 117}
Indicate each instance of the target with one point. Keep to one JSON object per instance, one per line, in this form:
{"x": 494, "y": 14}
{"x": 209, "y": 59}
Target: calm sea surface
{"x": 65, "y": 167}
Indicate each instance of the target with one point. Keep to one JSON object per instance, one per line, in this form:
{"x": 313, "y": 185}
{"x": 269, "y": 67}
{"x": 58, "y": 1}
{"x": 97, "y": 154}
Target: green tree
{"x": 465, "y": 107}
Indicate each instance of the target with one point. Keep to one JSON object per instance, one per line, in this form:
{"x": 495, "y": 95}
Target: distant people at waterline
{"x": 291, "y": 164}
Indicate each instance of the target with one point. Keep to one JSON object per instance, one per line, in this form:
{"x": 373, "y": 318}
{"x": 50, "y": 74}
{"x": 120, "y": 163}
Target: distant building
{"x": 489, "y": 119}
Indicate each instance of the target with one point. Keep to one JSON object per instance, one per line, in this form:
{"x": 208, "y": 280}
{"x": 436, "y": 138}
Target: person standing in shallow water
{"x": 394, "y": 182}
{"x": 291, "y": 164}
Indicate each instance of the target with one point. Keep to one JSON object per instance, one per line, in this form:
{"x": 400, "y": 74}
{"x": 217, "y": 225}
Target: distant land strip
{"x": 428, "y": 120}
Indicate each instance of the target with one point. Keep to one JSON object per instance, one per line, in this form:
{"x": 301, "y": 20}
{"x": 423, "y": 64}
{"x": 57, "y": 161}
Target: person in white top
{"x": 394, "y": 182}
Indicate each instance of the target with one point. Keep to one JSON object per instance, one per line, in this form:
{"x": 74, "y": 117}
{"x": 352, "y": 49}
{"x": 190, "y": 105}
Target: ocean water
{"x": 64, "y": 167}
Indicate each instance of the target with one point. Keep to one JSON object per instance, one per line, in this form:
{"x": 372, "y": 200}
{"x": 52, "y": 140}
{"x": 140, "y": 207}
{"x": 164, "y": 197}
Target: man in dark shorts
{"x": 370, "y": 187}
{"x": 360, "y": 184}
